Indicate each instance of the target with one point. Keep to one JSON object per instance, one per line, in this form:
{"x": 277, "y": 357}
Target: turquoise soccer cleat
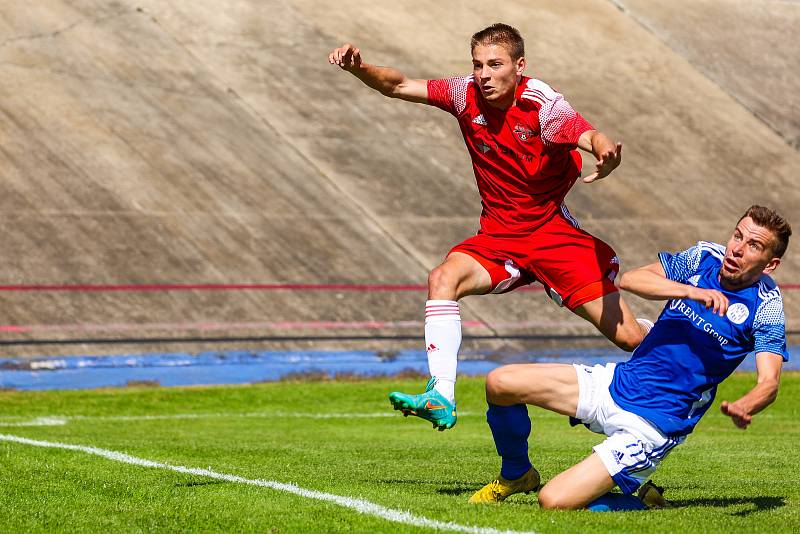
{"x": 431, "y": 406}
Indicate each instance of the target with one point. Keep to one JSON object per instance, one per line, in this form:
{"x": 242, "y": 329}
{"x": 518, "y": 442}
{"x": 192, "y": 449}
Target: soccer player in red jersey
{"x": 522, "y": 138}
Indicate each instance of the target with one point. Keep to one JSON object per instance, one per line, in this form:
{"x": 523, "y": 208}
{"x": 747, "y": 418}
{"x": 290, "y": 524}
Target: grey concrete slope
{"x": 125, "y": 160}
{"x": 210, "y": 142}
{"x": 748, "y": 48}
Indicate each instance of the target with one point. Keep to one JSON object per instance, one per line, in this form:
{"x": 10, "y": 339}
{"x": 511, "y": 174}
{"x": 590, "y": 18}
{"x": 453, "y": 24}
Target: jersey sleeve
{"x": 559, "y": 123}
{"x": 680, "y": 266}
{"x": 769, "y": 326}
{"x": 449, "y": 94}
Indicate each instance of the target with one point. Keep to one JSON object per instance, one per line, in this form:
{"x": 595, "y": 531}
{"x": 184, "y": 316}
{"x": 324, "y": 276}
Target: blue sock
{"x": 615, "y": 502}
{"x": 511, "y": 427}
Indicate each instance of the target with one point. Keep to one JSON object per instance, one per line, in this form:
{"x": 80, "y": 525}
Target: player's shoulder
{"x": 768, "y": 289}
{"x": 450, "y": 94}
{"x": 454, "y": 82}
{"x": 709, "y": 252}
{"x": 701, "y": 256}
{"x": 711, "y": 248}
{"x": 768, "y": 302}
{"x": 538, "y": 92}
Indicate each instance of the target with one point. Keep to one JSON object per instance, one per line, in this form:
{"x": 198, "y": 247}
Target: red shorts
{"x": 574, "y": 266}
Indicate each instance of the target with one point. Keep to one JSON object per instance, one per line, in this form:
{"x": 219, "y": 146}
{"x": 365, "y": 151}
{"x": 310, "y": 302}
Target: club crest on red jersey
{"x": 523, "y": 133}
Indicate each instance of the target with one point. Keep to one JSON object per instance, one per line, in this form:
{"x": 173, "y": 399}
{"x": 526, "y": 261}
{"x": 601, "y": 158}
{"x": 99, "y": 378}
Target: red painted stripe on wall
{"x": 107, "y": 288}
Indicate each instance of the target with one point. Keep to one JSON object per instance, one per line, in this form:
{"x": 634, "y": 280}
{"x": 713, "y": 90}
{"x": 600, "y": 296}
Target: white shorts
{"x": 634, "y": 447}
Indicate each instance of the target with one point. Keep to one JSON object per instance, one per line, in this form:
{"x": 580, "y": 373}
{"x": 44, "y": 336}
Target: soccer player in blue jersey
{"x": 721, "y": 306}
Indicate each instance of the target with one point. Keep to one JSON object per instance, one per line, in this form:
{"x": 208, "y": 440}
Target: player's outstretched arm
{"x": 606, "y": 152}
{"x": 762, "y": 395}
{"x": 386, "y": 80}
{"x": 651, "y": 282}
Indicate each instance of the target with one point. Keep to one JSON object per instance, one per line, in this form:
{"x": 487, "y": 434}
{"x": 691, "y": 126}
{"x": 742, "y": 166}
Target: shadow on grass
{"x": 459, "y": 489}
{"x": 760, "y": 504}
{"x": 443, "y": 488}
{"x": 200, "y": 483}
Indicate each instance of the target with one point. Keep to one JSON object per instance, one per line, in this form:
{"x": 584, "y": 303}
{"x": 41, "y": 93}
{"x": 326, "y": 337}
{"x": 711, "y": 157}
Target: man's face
{"x": 749, "y": 254}
{"x": 496, "y": 73}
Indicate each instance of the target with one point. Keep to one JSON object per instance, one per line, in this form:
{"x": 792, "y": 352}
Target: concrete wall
{"x": 209, "y": 141}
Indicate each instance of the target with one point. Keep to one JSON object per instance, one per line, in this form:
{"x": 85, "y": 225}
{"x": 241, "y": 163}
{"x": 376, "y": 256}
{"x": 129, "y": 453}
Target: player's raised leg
{"x": 459, "y": 275}
{"x": 578, "y": 270}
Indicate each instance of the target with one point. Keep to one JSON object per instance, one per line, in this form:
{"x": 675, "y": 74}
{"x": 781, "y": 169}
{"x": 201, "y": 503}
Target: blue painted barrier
{"x": 239, "y": 367}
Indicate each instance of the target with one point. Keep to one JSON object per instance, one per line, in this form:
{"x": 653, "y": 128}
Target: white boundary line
{"x": 59, "y": 420}
{"x": 359, "y": 505}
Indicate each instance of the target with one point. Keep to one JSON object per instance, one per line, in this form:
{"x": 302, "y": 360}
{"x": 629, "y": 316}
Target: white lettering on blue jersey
{"x": 672, "y": 377}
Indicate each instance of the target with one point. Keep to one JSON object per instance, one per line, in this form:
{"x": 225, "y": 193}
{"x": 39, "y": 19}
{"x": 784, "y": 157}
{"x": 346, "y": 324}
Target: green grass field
{"x": 722, "y": 479}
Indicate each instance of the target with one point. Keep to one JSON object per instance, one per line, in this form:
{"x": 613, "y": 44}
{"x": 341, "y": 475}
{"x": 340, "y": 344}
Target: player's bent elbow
{"x": 629, "y": 341}
{"x": 628, "y": 337}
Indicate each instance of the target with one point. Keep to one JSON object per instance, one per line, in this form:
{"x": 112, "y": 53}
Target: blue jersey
{"x": 672, "y": 376}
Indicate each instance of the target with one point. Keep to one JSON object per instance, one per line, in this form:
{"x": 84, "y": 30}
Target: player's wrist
{"x": 689, "y": 292}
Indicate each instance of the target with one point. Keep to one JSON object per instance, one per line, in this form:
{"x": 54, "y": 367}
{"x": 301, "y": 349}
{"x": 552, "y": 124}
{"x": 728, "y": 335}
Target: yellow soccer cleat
{"x": 500, "y": 488}
{"x": 652, "y": 496}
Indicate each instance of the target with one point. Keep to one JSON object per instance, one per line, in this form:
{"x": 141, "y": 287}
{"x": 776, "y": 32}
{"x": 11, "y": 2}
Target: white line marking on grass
{"x": 39, "y": 421}
{"x": 55, "y": 420}
{"x": 359, "y": 505}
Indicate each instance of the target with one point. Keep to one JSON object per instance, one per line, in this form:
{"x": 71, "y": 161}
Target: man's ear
{"x": 771, "y": 265}
{"x": 520, "y": 65}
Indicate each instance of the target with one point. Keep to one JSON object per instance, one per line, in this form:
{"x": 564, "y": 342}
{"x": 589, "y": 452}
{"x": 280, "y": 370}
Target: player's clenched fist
{"x": 740, "y": 417}
{"x": 347, "y": 57}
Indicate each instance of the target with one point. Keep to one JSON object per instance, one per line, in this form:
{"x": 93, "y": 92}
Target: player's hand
{"x": 710, "y": 298}
{"x": 740, "y": 417}
{"x": 606, "y": 162}
{"x": 347, "y": 57}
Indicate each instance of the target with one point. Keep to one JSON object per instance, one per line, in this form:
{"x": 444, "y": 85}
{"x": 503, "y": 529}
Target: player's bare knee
{"x": 441, "y": 284}
{"x": 499, "y": 387}
{"x": 548, "y": 499}
{"x": 553, "y": 499}
{"x": 492, "y": 385}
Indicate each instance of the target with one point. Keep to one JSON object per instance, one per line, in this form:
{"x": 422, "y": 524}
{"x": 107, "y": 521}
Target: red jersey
{"x": 524, "y": 157}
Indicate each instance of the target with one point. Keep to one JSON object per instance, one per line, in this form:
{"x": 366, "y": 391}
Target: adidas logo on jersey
{"x": 618, "y": 456}
{"x": 479, "y": 120}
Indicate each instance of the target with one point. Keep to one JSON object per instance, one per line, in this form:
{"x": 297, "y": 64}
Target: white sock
{"x": 442, "y": 341}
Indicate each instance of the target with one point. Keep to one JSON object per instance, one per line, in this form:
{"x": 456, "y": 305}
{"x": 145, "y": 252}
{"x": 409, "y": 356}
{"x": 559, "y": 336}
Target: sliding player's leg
{"x": 628, "y": 456}
{"x": 578, "y": 486}
{"x": 508, "y": 391}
